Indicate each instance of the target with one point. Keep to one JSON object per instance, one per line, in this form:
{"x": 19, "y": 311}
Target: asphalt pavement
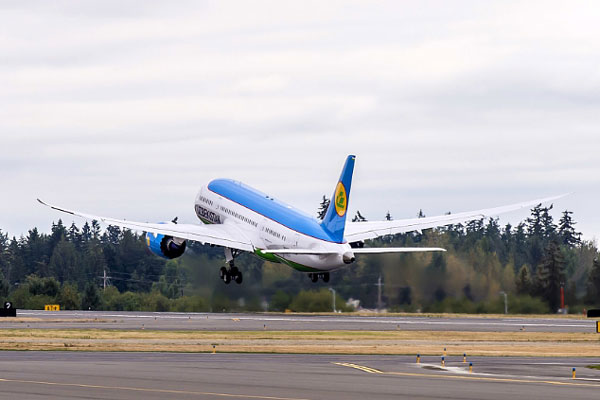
{"x": 61, "y": 375}
{"x": 222, "y": 321}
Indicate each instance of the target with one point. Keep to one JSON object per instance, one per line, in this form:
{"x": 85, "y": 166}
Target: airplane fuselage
{"x": 270, "y": 224}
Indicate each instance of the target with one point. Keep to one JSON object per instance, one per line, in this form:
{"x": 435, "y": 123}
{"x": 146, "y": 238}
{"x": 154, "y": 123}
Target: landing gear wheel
{"x": 222, "y": 273}
{"x": 326, "y": 277}
{"x": 227, "y": 278}
{"x": 313, "y": 277}
{"x": 239, "y": 278}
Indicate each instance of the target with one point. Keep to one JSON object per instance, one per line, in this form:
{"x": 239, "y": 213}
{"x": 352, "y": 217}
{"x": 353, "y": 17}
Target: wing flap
{"x": 297, "y": 251}
{"x": 219, "y": 234}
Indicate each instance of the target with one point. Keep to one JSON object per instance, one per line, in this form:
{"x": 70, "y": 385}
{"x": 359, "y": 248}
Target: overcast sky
{"x": 126, "y": 108}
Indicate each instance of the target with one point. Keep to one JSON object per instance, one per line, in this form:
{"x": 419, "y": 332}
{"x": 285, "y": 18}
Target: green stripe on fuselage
{"x": 278, "y": 259}
{"x": 266, "y": 256}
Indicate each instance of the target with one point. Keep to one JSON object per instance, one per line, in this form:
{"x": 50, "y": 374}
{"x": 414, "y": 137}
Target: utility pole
{"x": 379, "y": 285}
{"x": 105, "y": 280}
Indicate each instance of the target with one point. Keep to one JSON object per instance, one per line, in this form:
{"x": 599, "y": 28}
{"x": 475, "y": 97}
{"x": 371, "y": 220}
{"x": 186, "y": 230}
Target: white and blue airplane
{"x": 240, "y": 218}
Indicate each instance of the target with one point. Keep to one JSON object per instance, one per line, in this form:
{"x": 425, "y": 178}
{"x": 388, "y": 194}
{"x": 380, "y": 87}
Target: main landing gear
{"x": 315, "y": 276}
{"x": 232, "y": 273}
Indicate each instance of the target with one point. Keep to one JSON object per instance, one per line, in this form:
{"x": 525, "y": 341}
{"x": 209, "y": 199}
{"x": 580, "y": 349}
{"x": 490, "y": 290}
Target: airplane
{"x": 242, "y": 219}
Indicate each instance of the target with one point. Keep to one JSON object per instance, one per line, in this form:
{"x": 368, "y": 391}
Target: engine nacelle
{"x": 165, "y": 246}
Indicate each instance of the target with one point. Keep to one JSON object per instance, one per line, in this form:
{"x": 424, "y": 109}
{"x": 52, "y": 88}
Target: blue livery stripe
{"x": 270, "y": 208}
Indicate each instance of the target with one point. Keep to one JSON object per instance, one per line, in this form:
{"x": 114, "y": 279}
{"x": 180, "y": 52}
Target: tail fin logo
{"x": 341, "y": 202}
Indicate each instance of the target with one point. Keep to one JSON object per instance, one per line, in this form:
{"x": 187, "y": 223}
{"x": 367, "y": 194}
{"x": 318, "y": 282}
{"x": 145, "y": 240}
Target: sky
{"x": 126, "y": 108}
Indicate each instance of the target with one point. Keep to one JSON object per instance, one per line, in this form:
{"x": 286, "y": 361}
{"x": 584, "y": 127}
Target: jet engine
{"x": 165, "y": 246}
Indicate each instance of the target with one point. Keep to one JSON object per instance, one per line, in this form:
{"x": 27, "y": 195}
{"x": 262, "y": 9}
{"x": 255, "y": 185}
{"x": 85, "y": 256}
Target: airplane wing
{"x": 358, "y": 231}
{"x": 219, "y": 234}
{"x": 363, "y": 250}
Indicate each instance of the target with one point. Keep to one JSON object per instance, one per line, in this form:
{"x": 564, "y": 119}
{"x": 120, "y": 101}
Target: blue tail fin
{"x": 334, "y": 221}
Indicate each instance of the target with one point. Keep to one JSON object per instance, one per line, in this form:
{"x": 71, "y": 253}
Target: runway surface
{"x": 61, "y": 375}
{"x": 218, "y": 322}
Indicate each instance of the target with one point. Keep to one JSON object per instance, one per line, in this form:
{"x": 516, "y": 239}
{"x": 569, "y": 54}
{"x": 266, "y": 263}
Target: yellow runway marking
{"x": 465, "y": 377}
{"x": 149, "y": 390}
{"x": 360, "y": 367}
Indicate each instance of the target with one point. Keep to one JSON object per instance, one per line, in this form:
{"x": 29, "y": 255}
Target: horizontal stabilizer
{"x": 364, "y": 250}
{"x": 381, "y": 250}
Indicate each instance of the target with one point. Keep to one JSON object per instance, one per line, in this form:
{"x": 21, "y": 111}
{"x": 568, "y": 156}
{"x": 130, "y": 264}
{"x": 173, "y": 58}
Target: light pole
{"x": 333, "y": 293}
{"x": 505, "y": 302}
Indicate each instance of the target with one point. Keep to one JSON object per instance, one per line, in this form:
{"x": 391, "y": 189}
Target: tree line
{"x": 90, "y": 268}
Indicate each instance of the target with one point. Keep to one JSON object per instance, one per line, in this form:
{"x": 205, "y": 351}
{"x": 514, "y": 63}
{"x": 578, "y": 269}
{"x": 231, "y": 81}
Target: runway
{"x": 60, "y": 375}
{"x": 241, "y": 322}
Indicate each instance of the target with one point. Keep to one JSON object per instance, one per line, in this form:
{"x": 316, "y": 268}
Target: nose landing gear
{"x": 315, "y": 276}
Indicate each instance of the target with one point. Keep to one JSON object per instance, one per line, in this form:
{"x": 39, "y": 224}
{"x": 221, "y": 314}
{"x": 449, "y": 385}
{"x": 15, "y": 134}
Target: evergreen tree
{"x": 91, "y": 297}
{"x": 521, "y": 255}
{"x": 508, "y": 244}
{"x": 548, "y": 224}
{"x": 566, "y": 230}
{"x": 73, "y": 235}
{"x": 593, "y": 286}
{"x": 4, "y": 286}
{"x": 3, "y": 253}
{"x": 388, "y": 216}
{"x": 523, "y": 281}
{"x": 551, "y": 275}
{"x": 493, "y": 237}
{"x": 58, "y": 233}
{"x": 358, "y": 217}
{"x": 86, "y": 233}
{"x": 421, "y": 214}
{"x": 64, "y": 263}
{"x": 113, "y": 235}
{"x": 92, "y": 259}
{"x": 535, "y": 226}
{"x": 323, "y": 207}
{"x": 35, "y": 253}
{"x": 16, "y": 269}
{"x": 95, "y": 230}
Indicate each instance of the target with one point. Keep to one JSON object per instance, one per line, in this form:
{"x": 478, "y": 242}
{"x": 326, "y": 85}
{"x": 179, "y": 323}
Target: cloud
{"x": 126, "y": 108}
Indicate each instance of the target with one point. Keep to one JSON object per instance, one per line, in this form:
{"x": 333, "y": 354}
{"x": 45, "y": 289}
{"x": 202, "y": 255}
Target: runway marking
{"x": 360, "y": 367}
{"x": 464, "y": 377}
{"x": 149, "y": 390}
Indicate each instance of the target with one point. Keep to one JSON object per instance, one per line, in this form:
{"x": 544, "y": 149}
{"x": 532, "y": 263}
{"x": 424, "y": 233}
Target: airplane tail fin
{"x": 334, "y": 221}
